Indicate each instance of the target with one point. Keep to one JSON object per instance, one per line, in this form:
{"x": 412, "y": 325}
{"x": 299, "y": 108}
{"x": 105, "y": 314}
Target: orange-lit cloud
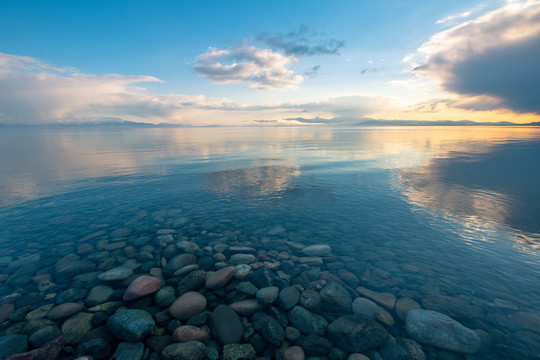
{"x": 493, "y": 59}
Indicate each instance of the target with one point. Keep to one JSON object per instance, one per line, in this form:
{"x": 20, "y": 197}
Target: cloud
{"x": 300, "y": 43}
{"x": 36, "y": 93}
{"x": 454, "y": 17}
{"x": 494, "y": 56}
{"x": 371, "y": 70}
{"x": 263, "y": 68}
{"x": 313, "y": 72}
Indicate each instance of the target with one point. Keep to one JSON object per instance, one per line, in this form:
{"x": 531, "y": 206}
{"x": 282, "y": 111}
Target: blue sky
{"x": 264, "y": 62}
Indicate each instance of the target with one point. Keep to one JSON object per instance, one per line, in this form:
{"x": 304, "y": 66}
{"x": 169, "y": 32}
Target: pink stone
{"x": 188, "y": 305}
{"x": 220, "y": 278}
{"x": 49, "y": 351}
{"x": 188, "y": 333}
{"x": 41, "y": 279}
{"x": 294, "y": 353}
{"x": 85, "y": 249}
{"x": 142, "y": 286}
{"x": 3, "y": 277}
{"x": 63, "y": 311}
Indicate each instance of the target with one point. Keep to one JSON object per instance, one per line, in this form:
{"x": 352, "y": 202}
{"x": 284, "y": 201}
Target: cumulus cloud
{"x": 303, "y": 42}
{"x": 494, "y": 56}
{"x": 262, "y": 68}
{"x": 34, "y": 92}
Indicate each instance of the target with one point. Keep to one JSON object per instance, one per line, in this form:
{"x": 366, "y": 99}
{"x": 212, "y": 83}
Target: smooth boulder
{"x": 441, "y": 331}
{"x": 131, "y": 325}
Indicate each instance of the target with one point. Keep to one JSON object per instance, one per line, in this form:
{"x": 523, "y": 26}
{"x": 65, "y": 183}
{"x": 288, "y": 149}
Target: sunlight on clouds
{"x": 454, "y": 17}
{"x": 495, "y": 55}
{"x": 262, "y": 68}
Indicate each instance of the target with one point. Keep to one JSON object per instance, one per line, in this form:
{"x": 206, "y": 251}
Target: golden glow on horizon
{"x": 457, "y": 115}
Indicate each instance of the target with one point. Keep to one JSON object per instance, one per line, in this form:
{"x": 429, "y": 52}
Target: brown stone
{"x": 220, "y": 278}
{"x": 142, "y": 286}
{"x": 188, "y": 333}
{"x": 188, "y": 305}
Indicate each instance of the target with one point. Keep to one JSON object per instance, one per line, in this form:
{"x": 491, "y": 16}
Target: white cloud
{"x": 454, "y": 17}
{"x": 262, "y": 68}
{"x": 495, "y": 55}
{"x": 36, "y": 93}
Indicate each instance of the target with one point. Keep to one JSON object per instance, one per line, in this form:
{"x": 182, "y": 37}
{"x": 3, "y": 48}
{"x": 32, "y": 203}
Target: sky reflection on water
{"x": 477, "y": 174}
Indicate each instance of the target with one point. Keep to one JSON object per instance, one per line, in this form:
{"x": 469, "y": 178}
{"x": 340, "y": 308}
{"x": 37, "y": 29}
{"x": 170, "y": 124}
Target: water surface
{"x": 422, "y": 211}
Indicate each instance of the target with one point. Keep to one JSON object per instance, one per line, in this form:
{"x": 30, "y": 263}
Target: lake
{"x": 446, "y": 217}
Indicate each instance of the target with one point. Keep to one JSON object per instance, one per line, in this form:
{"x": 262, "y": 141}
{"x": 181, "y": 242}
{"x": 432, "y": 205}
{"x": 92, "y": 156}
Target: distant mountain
{"x": 373, "y": 122}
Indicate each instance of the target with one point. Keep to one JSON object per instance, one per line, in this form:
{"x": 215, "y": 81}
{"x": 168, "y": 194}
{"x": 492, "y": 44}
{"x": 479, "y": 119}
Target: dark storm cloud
{"x": 494, "y": 57}
{"x": 511, "y": 73}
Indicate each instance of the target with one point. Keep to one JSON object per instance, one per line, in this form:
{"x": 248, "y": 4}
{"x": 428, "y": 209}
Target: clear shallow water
{"x": 421, "y": 211}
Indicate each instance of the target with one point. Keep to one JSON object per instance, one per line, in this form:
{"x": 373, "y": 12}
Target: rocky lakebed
{"x": 183, "y": 291}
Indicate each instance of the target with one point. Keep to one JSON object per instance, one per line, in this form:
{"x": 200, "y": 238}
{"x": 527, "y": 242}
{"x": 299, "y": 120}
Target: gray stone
{"x": 314, "y": 345}
{"x": 191, "y": 350}
{"x": 179, "y": 262}
{"x": 335, "y": 299}
{"x": 187, "y": 246}
{"x": 395, "y": 352}
{"x": 238, "y": 352}
{"x": 307, "y": 322}
{"x": 238, "y": 259}
{"x": 71, "y": 295}
{"x": 356, "y": 333}
{"x": 44, "y": 335}
{"x": 225, "y": 325}
{"x": 129, "y": 351}
{"x": 192, "y": 281}
{"x": 311, "y": 300}
{"x": 366, "y": 307}
{"x": 116, "y": 274}
{"x": 415, "y": 349}
{"x": 96, "y": 348}
{"x": 242, "y": 271}
{"x": 386, "y": 300}
{"x": 337, "y": 354}
{"x": 71, "y": 265}
{"x": 317, "y": 250}
{"x": 247, "y": 288}
{"x": 76, "y": 327}
{"x": 269, "y": 328}
{"x": 262, "y": 278}
{"x": 165, "y": 296}
{"x": 99, "y": 294}
{"x": 456, "y": 308}
{"x": 441, "y": 331}
{"x": 131, "y": 325}
{"x": 267, "y": 295}
{"x": 241, "y": 250}
{"x": 404, "y": 305}
{"x": 288, "y": 297}
{"x": 12, "y": 344}
{"x": 292, "y": 334}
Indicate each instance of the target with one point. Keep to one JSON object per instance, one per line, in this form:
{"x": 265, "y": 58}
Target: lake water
{"x": 447, "y": 216}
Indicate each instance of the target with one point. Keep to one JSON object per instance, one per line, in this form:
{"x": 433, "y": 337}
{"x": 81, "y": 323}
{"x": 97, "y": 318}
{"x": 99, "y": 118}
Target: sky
{"x": 269, "y": 62}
